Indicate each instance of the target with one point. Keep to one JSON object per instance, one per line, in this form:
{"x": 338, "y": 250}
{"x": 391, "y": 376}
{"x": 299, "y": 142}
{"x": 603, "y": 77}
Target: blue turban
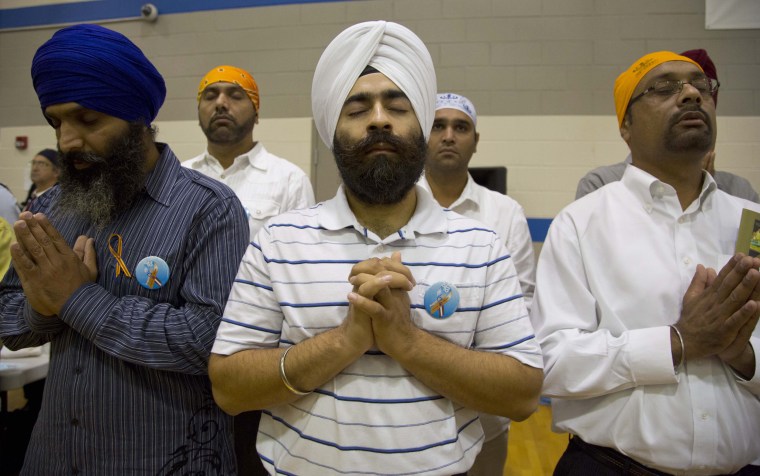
{"x": 98, "y": 69}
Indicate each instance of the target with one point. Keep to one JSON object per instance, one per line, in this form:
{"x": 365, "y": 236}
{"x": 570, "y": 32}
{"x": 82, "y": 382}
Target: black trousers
{"x": 583, "y": 459}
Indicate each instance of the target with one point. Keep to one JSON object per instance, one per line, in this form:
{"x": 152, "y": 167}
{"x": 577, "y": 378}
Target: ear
{"x": 625, "y": 129}
{"x": 477, "y": 138}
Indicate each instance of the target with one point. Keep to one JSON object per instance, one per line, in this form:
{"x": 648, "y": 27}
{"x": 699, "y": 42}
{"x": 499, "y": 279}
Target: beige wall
{"x": 540, "y": 73}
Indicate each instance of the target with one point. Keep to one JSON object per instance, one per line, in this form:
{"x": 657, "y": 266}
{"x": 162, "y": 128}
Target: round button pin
{"x": 441, "y": 300}
{"x": 152, "y": 272}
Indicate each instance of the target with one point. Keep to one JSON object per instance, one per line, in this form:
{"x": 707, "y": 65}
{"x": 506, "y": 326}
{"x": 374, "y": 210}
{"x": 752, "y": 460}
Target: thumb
{"x": 699, "y": 283}
{"x": 90, "y": 258}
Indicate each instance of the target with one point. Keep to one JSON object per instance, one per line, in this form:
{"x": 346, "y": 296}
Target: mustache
{"x": 88, "y": 157}
{"x": 689, "y": 108}
{"x": 377, "y": 137}
{"x": 222, "y": 116}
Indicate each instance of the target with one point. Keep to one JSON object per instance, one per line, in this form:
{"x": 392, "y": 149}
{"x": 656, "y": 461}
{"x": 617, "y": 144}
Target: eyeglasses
{"x": 41, "y": 163}
{"x": 668, "y": 87}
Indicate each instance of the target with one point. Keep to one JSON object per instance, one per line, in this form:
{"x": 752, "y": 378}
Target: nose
{"x": 221, "y": 103}
{"x": 448, "y": 134}
{"x": 68, "y": 138}
{"x": 690, "y": 94}
{"x": 379, "y": 119}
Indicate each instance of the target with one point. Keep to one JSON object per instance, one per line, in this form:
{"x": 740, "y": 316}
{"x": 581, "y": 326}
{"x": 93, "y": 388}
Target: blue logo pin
{"x": 152, "y": 272}
{"x": 441, "y": 300}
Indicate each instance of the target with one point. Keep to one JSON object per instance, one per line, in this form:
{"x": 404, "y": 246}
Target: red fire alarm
{"x": 22, "y": 142}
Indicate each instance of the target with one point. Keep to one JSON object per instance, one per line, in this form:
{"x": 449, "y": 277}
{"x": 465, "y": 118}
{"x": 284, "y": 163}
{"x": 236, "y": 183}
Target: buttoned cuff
{"x": 650, "y": 356}
{"x": 42, "y": 324}
{"x": 87, "y": 309}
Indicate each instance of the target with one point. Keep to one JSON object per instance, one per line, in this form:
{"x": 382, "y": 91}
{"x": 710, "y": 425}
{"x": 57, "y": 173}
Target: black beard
{"x": 108, "y": 187}
{"x": 384, "y": 179}
{"x": 228, "y": 135}
{"x": 692, "y": 140}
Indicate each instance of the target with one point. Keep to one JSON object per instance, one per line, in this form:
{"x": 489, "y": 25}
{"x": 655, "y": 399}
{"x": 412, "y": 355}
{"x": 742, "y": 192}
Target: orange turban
{"x": 626, "y": 83}
{"x": 231, "y": 74}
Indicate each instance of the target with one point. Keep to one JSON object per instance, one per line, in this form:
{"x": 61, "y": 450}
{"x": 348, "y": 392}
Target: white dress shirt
{"x": 506, "y": 217}
{"x": 611, "y": 278}
{"x": 267, "y": 185}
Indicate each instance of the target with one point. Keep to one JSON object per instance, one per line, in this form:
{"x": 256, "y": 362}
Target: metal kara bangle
{"x": 683, "y": 348}
{"x": 284, "y": 377}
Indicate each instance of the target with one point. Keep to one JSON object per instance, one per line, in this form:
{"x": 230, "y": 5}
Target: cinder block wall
{"x": 540, "y": 73}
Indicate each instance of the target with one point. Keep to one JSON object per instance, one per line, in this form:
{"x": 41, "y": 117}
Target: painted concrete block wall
{"x": 540, "y": 73}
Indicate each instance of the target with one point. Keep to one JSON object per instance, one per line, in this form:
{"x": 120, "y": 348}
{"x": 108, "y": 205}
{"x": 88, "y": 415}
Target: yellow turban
{"x": 626, "y": 83}
{"x": 231, "y": 74}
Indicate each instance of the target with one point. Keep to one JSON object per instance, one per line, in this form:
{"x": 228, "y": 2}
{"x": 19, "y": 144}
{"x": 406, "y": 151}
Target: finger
{"x": 742, "y": 292}
{"x": 365, "y": 305}
{"x": 368, "y": 266}
{"x": 745, "y": 316}
{"x": 22, "y": 263}
{"x": 37, "y": 228}
{"x": 731, "y": 276}
{"x": 28, "y": 242}
{"x": 91, "y": 258}
{"x": 53, "y": 235}
{"x": 395, "y": 265}
{"x": 697, "y": 285}
{"x": 79, "y": 246}
{"x": 711, "y": 275}
{"x": 371, "y": 287}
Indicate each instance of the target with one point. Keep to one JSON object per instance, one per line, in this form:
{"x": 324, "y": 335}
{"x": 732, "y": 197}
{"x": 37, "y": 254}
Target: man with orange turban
{"x": 267, "y": 185}
{"x": 228, "y": 109}
{"x": 726, "y": 181}
{"x": 646, "y": 317}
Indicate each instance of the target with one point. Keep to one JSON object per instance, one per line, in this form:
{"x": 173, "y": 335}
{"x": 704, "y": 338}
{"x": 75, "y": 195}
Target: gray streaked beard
{"x": 111, "y": 185}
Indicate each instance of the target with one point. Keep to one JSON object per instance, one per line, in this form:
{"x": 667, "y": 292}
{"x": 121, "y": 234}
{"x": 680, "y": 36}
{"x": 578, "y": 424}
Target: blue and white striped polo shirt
{"x": 373, "y": 417}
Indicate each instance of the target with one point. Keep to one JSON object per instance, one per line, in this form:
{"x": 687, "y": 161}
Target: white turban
{"x": 388, "y": 47}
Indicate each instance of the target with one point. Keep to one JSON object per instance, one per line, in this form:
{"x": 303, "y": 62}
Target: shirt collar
{"x": 469, "y": 194}
{"x": 429, "y": 217}
{"x": 160, "y": 180}
{"x": 254, "y": 158}
{"x": 647, "y": 188}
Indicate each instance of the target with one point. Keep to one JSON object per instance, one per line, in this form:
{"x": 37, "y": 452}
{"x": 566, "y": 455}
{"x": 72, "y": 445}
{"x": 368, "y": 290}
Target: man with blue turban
{"x": 373, "y": 327}
{"x": 125, "y": 268}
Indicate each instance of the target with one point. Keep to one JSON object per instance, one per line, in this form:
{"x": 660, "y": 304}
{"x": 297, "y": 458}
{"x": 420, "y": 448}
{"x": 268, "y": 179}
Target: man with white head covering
{"x": 374, "y": 326}
{"x": 453, "y": 140}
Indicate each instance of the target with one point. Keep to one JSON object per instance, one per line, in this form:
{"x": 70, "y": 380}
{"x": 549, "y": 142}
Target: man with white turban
{"x": 374, "y": 326}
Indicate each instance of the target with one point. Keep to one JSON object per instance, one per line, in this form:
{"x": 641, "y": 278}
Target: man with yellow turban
{"x": 373, "y": 327}
{"x": 646, "y": 317}
{"x": 726, "y": 181}
{"x": 228, "y": 109}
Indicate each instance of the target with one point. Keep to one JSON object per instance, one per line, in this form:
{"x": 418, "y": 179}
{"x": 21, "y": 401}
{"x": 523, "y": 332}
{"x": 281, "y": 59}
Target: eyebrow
{"x": 226, "y": 87}
{"x": 76, "y": 108}
{"x": 386, "y": 95}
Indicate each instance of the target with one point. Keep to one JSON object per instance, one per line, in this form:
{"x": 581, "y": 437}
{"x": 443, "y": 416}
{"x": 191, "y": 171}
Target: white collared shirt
{"x": 374, "y": 416}
{"x": 611, "y": 278}
{"x": 507, "y": 218}
{"x": 267, "y": 185}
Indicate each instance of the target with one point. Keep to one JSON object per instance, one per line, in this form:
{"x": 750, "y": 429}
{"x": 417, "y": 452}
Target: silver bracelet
{"x": 284, "y": 377}
{"x": 683, "y": 348}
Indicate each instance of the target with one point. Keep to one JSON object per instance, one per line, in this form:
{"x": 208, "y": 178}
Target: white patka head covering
{"x": 460, "y": 103}
{"x": 388, "y": 47}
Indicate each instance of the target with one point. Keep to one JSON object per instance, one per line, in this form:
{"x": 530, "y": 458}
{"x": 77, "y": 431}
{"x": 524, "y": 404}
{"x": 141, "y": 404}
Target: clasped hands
{"x": 379, "y": 306}
{"x": 720, "y": 312}
{"x": 49, "y": 269}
